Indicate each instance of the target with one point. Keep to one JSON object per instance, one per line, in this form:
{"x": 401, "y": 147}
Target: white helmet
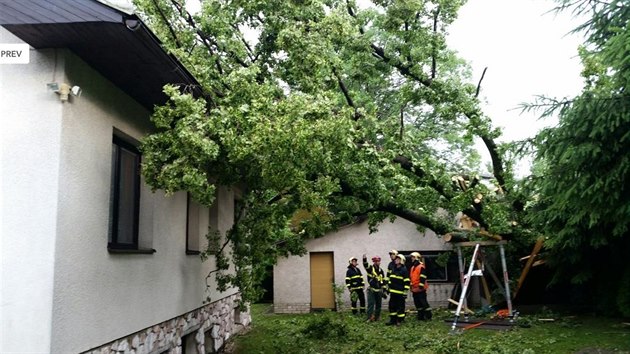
{"x": 352, "y": 259}
{"x": 402, "y": 258}
{"x": 416, "y": 255}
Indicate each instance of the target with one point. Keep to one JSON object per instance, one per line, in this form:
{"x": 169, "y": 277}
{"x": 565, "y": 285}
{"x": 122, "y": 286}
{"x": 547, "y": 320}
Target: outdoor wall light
{"x": 131, "y": 23}
{"x": 64, "y": 90}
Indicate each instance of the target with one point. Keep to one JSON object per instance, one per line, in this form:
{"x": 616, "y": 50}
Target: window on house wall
{"x": 435, "y": 271}
{"x": 124, "y": 194}
{"x": 192, "y": 226}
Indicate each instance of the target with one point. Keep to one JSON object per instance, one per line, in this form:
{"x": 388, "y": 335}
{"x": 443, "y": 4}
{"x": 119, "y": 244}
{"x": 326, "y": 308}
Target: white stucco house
{"x": 304, "y": 283}
{"x": 91, "y": 259}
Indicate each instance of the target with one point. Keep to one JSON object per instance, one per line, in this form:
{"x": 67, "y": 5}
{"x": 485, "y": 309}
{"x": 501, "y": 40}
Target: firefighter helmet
{"x": 416, "y": 255}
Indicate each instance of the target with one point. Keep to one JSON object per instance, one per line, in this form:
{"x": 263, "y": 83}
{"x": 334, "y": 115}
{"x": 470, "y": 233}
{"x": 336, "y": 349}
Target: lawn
{"x": 332, "y": 332}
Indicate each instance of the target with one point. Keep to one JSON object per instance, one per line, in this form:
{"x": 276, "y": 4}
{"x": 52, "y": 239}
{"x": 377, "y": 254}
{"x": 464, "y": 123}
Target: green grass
{"x": 331, "y": 332}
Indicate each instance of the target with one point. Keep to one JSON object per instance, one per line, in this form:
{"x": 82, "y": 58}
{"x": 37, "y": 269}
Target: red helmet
{"x": 376, "y": 258}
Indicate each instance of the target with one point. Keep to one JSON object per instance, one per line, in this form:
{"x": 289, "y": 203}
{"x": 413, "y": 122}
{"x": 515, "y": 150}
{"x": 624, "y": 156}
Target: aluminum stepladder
{"x": 465, "y": 280}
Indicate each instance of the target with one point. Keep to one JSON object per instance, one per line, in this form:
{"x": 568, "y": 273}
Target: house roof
{"x": 132, "y": 58}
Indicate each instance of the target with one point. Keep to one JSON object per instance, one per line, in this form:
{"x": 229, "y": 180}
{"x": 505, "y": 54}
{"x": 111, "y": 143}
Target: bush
{"x": 326, "y": 326}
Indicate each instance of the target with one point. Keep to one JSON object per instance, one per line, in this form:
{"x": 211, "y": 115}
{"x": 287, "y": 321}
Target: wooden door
{"x": 322, "y": 279}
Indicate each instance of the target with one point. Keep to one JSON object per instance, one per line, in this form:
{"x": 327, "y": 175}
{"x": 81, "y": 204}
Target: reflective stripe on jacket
{"x": 354, "y": 278}
{"x": 375, "y": 276}
{"x": 398, "y": 280}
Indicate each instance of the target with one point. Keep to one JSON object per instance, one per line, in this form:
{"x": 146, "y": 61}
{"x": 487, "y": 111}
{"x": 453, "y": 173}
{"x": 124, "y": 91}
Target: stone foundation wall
{"x": 292, "y": 308}
{"x": 439, "y": 293}
{"x": 210, "y": 325}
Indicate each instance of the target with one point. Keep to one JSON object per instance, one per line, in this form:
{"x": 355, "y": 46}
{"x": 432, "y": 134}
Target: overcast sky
{"x": 527, "y": 51}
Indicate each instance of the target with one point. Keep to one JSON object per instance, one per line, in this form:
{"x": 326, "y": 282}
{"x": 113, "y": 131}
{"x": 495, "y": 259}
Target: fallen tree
{"x": 323, "y": 111}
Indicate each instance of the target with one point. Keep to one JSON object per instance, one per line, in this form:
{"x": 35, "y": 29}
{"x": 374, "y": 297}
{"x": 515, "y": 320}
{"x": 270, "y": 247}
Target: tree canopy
{"x": 322, "y": 111}
{"x": 581, "y": 184}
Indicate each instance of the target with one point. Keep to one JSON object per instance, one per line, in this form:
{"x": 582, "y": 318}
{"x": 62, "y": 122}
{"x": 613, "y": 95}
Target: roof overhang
{"x": 116, "y": 44}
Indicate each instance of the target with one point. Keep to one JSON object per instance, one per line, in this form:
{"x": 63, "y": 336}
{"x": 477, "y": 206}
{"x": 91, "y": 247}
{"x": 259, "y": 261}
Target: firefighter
{"x": 398, "y": 287}
{"x": 376, "y": 290}
{"x": 355, "y": 284}
{"x": 391, "y": 265}
{"x": 419, "y": 287}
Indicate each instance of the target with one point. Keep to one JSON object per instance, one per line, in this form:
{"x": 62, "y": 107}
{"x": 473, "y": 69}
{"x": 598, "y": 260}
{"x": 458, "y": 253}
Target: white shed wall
{"x": 292, "y": 274}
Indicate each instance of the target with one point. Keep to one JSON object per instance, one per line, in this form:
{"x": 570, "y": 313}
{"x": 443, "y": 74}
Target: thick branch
{"x": 408, "y": 165}
{"x": 379, "y": 53}
{"x": 497, "y": 161}
{"x": 416, "y": 218}
{"x": 434, "y": 56}
{"x": 352, "y": 13}
{"x": 250, "y": 52}
{"x": 167, "y": 23}
{"x": 205, "y": 38}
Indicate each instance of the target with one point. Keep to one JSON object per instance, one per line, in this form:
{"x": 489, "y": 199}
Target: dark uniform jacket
{"x": 390, "y": 268}
{"x": 375, "y": 275}
{"x": 354, "y": 278}
{"x": 399, "y": 281}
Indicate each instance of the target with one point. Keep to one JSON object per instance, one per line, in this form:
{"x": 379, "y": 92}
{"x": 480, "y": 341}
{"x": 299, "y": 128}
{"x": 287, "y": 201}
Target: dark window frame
{"x": 126, "y": 143}
{"x": 450, "y": 270}
{"x": 190, "y": 251}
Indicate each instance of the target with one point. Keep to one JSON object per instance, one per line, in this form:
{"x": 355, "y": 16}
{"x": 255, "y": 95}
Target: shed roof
{"x": 132, "y": 58}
